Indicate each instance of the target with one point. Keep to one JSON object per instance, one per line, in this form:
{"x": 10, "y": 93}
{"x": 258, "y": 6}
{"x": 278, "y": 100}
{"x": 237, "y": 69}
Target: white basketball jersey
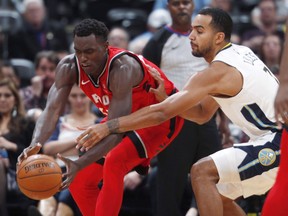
{"x": 252, "y": 109}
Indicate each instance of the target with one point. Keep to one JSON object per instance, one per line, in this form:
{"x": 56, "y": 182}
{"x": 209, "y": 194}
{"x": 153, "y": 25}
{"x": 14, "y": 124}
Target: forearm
{"x": 202, "y": 112}
{"x": 143, "y": 118}
{"x": 45, "y": 126}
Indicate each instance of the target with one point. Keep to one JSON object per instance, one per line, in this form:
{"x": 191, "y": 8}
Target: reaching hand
{"x": 159, "y": 92}
{"x": 31, "y": 150}
{"x": 71, "y": 170}
{"x": 91, "y": 136}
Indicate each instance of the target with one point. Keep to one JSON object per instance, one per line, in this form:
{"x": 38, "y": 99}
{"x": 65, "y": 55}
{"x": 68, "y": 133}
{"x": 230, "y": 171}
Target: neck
{"x": 211, "y": 55}
{"x": 80, "y": 115}
{"x": 5, "y": 119}
{"x": 183, "y": 29}
{"x": 269, "y": 27}
{"x": 101, "y": 67}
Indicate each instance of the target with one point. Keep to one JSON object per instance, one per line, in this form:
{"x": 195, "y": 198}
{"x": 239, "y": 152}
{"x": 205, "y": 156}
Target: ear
{"x": 106, "y": 45}
{"x": 220, "y": 37}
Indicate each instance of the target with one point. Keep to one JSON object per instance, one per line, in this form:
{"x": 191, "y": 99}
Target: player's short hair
{"x": 221, "y": 21}
{"x": 91, "y": 26}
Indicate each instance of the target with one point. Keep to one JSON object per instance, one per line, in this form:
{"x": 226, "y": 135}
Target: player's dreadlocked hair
{"x": 91, "y": 26}
{"x": 221, "y": 21}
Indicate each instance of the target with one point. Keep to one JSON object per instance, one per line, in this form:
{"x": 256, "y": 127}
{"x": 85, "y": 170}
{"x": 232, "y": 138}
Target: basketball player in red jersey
{"x": 118, "y": 82}
{"x": 278, "y": 196}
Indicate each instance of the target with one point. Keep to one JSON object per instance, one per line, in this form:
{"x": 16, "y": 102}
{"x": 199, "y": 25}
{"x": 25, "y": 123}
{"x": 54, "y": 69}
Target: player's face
{"x": 202, "y": 36}
{"x": 181, "y": 10}
{"x": 91, "y": 53}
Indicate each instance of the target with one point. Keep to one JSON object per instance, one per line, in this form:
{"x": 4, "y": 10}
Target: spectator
{"x": 156, "y": 19}
{"x": 271, "y": 51}
{"x": 37, "y": 33}
{"x": 35, "y": 95}
{"x": 15, "y": 135}
{"x": 7, "y": 70}
{"x": 281, "y": 13}
{"x": 119, "y": 37}
{"x": 268, "y": 25}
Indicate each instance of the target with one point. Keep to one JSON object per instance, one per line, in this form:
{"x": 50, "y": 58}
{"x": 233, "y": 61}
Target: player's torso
{"x": 254, "y": 102}
{"x": 99, "y": 92}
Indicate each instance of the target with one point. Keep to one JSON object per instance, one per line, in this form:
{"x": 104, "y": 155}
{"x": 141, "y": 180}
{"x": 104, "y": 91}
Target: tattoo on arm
{"x": 113, "y": 126}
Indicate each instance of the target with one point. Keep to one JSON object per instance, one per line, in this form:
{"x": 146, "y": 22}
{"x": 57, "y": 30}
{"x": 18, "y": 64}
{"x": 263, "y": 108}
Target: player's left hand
{"x": 91, "y": 136}
{"x": 71, "y": 170}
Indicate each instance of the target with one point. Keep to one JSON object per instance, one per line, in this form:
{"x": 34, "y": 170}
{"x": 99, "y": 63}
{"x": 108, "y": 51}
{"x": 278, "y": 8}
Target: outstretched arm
{"x": 281, "y": 101}
{"x": 145, "y": 117}
{"x": 193, "y": 102}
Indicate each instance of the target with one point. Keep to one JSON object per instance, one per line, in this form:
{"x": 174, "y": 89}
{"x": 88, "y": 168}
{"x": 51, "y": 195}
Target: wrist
{"x": 112, "y": 126}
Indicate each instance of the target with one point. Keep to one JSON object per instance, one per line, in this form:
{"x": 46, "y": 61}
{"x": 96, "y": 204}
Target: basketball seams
{"x": 39, "y": 176}
{"x": 48, "y": 189}
{"x": 42, "y": 160}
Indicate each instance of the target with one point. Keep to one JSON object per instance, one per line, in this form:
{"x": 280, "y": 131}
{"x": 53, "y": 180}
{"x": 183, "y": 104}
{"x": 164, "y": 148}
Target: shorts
{"x": 248, "y": 169}
{"x": 152, "y": 140}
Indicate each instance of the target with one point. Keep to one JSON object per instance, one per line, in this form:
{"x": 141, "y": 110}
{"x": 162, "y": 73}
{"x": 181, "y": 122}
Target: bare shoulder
{"x": 66, "y": 71}
{"x": 227, "y": 79}
{"x": 221, "y": 68}
{"x": 131, "y": 70}
{"x": 127, "y": 61}
{"x": 67, "y": 63}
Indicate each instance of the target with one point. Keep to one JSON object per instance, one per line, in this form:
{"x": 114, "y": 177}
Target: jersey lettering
{"x": 250, "y": 58}
{"x": 104, "y": 100}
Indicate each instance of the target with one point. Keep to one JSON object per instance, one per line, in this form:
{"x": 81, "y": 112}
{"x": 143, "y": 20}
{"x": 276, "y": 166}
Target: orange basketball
{"x": 39, "y": 176}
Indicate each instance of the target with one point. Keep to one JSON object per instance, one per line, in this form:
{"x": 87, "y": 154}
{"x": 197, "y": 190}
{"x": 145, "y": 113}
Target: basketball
{"x": 39, "y": 177}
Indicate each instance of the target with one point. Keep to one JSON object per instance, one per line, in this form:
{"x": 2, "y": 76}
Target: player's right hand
{"x": 31, "y": 150}
{"x": 159, "y": 92}
{"x": 91, "y": 136}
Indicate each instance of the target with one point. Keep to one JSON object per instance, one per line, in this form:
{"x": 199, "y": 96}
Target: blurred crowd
{"x": 34, "y": 37}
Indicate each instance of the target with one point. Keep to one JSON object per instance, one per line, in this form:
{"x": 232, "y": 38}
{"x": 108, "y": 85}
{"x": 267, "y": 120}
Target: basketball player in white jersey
{"x": 239, "y": 83}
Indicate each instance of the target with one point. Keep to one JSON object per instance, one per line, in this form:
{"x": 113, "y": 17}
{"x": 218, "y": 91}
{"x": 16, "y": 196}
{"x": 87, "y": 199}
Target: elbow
{"x": 201, "y": 119}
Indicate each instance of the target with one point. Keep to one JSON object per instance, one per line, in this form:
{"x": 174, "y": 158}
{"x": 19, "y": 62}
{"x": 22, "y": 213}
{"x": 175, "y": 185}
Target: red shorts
{"x": 278, "y": 195}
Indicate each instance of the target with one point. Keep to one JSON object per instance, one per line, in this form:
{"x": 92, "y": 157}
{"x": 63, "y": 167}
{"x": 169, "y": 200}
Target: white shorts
{"x": 248, "y": 169}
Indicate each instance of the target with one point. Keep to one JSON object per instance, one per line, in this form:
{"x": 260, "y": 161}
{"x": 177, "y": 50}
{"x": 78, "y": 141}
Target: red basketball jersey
{"x": 99, "y": 91}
